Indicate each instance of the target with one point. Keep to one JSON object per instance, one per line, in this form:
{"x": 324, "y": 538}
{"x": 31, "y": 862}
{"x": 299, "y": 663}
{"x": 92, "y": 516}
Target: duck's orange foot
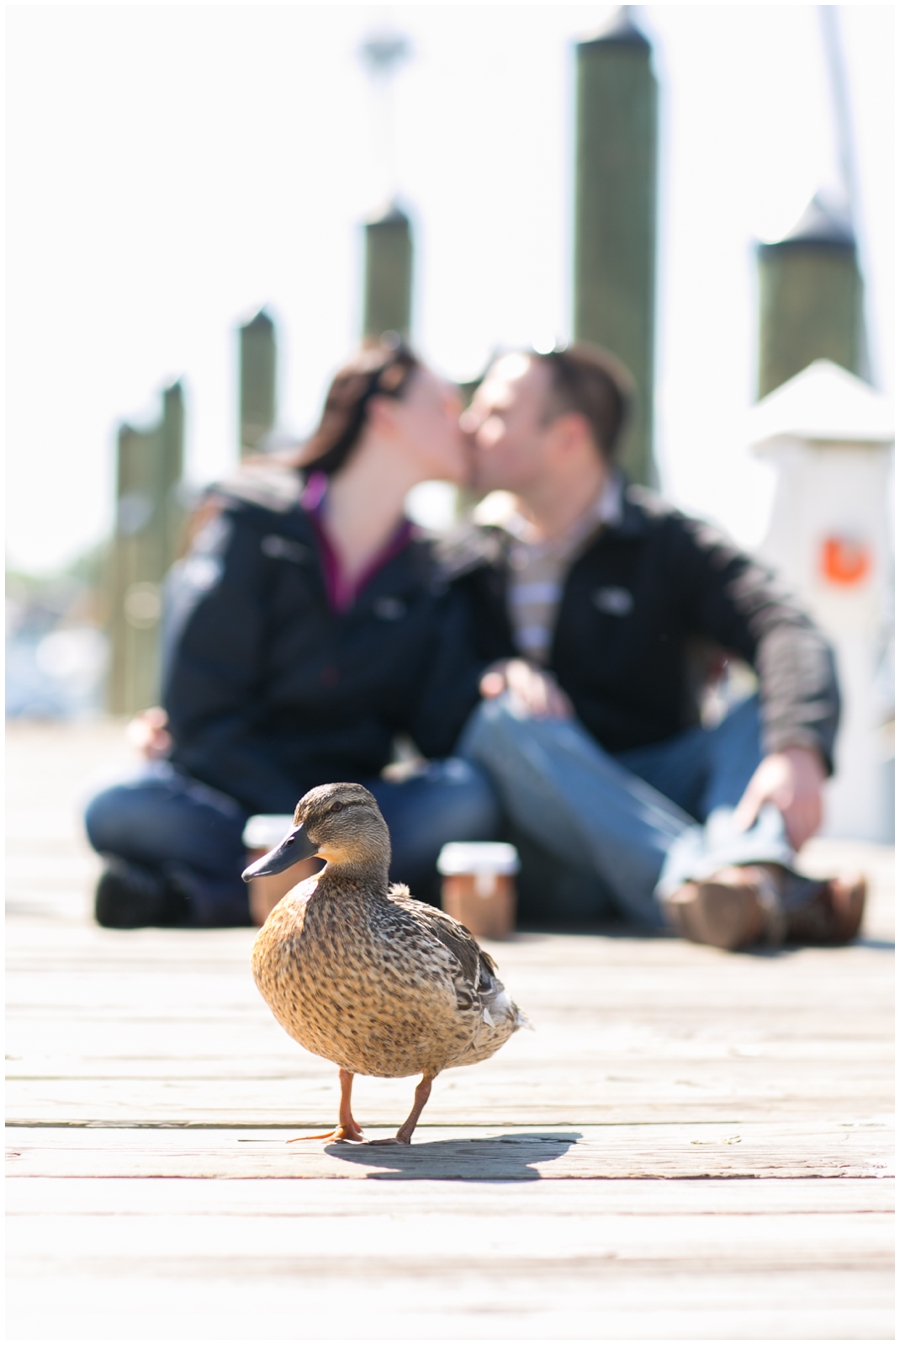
{"x": 394, "y": 1139}
{"x": 350, "y": 1132}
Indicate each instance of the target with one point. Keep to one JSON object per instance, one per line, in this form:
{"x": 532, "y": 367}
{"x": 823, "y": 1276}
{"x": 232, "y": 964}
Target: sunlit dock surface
{"x": 690, "y": 1145}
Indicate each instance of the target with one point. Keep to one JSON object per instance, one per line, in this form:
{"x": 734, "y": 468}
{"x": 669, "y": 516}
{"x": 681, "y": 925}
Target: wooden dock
{"x": 691, "y": 1145}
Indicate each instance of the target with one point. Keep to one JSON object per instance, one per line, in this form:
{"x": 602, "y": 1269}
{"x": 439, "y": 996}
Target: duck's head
{"x": 341, "y": 824}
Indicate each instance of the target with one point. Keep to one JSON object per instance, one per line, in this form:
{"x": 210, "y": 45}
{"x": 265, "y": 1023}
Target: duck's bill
{"x": 295, "y": 847}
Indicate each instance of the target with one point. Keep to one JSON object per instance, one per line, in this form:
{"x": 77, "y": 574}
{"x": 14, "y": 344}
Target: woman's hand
{"x": 533, "y": 690}
{"x": 148, "y": 733}
{"x": 793, "y": 781}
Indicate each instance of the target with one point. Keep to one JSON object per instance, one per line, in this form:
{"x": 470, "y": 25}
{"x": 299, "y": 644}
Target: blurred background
{"x": 208, "y": 206}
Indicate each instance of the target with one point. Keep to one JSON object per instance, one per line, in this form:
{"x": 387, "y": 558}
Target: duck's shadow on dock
{"x": 501, "y": 1158}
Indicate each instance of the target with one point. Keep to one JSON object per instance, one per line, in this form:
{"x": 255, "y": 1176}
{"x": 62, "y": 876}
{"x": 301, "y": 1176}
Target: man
{"x": 604, "y": 607}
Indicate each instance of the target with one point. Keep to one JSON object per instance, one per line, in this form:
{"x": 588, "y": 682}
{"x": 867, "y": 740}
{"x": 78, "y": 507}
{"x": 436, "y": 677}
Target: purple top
{"x": 341, "y": 590}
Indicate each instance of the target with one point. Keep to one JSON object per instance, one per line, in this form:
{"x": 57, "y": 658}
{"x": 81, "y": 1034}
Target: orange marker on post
{"x": 845, "y": 560}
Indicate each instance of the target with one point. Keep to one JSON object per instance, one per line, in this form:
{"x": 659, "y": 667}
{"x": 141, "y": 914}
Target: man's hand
{"x": 148, "y": 733}
{"x": 792, "y": 780}
{"x": 532, "y": 689}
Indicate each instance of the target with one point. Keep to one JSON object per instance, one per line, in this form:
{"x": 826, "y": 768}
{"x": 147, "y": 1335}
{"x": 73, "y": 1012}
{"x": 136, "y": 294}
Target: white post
{"x": 829, "y": 437}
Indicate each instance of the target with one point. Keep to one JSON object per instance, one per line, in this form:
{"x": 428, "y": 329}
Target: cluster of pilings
{"x": 810, "y": 306}
{"x": 150, "y": 515}
{"x": 149, "y": 519}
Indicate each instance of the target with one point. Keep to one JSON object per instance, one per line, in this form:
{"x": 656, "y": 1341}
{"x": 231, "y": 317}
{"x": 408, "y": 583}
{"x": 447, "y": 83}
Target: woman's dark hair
{"x": 594, "y": 383}
{"x": 383, "y": 370}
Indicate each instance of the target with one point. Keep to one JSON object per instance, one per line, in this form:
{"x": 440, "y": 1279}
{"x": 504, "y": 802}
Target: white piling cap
{"x": 264, "y": 830}
{"x": 496, "y": 857}
{"x": 824, "y": 404}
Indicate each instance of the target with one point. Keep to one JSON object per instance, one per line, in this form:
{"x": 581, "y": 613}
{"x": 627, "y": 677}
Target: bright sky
{"x": 173, "y": 167}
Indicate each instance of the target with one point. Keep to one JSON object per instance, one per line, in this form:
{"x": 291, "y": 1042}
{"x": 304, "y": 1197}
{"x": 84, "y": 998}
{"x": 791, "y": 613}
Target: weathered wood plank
{"x": 807, "y": 1149}
{"x": 497, "y": 1101}
{"x": 600, "y": 1298}
{"x": 439, "y": 1260}
{"x": 280, "y": 1196}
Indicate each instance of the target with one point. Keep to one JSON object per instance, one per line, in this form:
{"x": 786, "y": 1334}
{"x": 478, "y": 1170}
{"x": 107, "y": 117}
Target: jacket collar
{"x": 502, "y": 509}
{"x": 637, "y": 506}
{"x": 473, "y": 547}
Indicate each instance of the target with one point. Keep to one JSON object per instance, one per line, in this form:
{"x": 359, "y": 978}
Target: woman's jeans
{"x": 623, "y": 831}
{"x": 190, "y": 834}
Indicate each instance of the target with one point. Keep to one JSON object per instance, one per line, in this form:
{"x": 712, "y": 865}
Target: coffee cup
{"x": 478, "y": 887}
{"x": 262, "y": 833}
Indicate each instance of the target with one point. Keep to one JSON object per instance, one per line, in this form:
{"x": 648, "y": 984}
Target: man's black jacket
{"x": 637, "y": 607}
{"x": 268, "y": 691}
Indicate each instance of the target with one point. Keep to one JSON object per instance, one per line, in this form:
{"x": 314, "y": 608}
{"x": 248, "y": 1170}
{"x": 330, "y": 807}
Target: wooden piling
{"x": 172, "y": 443}
{"x": 615, "y": 215}
{"x": 387, "y": 296}
{"x": 258, "y": 363}
{"x": 810, "y": 298}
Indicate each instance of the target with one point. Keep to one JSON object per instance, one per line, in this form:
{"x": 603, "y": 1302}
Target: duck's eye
{"x": 336, "y": 808}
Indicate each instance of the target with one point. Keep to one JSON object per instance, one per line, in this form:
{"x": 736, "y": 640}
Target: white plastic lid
{"x": 264, "y": 830}
{"x": 478, "y": 857}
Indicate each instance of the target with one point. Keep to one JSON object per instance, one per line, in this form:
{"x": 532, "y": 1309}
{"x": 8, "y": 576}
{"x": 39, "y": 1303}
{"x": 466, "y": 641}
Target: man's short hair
{"x": 592, "y": 382}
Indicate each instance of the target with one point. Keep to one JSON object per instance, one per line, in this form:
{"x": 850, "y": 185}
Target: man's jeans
{"x": 185, "y": 831}
{"x": 628, "y": 829}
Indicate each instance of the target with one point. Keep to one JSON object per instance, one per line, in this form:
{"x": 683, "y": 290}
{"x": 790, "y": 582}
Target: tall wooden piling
{"x": 387, "y": 294}
{"x": 145, "y": 543}
{"x": 258, "y": 369}
{"x": 172, "y": 447}
{"x": 615, "y": 215}
{"x": 810, "y": 298}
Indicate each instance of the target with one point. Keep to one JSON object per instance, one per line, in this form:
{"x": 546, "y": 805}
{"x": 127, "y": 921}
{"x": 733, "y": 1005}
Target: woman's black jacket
{"x": 268, "y": 691}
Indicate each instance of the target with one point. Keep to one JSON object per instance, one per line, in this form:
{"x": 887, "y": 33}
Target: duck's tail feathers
{"x": 498, "y": 1009}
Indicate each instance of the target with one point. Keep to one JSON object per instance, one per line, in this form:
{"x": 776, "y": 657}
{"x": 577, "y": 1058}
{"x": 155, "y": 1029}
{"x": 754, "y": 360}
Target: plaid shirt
{"x": 537, "y": 567}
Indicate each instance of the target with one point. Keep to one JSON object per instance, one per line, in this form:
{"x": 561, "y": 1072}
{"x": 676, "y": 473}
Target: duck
{"x": 360, "y": 973}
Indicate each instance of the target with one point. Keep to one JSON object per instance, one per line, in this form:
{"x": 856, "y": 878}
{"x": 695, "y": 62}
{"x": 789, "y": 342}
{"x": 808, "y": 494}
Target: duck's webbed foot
{"x": 404, "y": 1134}
{"x": 340, "y": 1132}
{"x": 346, "y": 1128}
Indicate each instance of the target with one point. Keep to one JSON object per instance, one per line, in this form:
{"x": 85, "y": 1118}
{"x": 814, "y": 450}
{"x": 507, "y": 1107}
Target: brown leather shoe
{"x": 832, "y": 914}
{"x": 749, "y": 904}
{"x": 735, "y": 908}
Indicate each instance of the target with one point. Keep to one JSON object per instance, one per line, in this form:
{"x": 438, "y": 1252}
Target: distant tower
{"x": 810, "y": 298}
{"x": 615, "y": 214}
{"x": 387, "y": 291}
{"x": 258, "y": 361}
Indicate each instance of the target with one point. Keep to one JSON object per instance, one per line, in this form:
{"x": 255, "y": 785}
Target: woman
{"x": 307, "y": 629}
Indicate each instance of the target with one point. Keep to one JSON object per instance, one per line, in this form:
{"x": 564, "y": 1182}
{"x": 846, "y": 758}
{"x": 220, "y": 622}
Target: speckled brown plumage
{"x": 362, "y": 974}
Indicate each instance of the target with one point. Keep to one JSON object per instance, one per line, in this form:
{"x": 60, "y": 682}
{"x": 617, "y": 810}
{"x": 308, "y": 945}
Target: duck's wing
{"x": 477, "y": 982}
